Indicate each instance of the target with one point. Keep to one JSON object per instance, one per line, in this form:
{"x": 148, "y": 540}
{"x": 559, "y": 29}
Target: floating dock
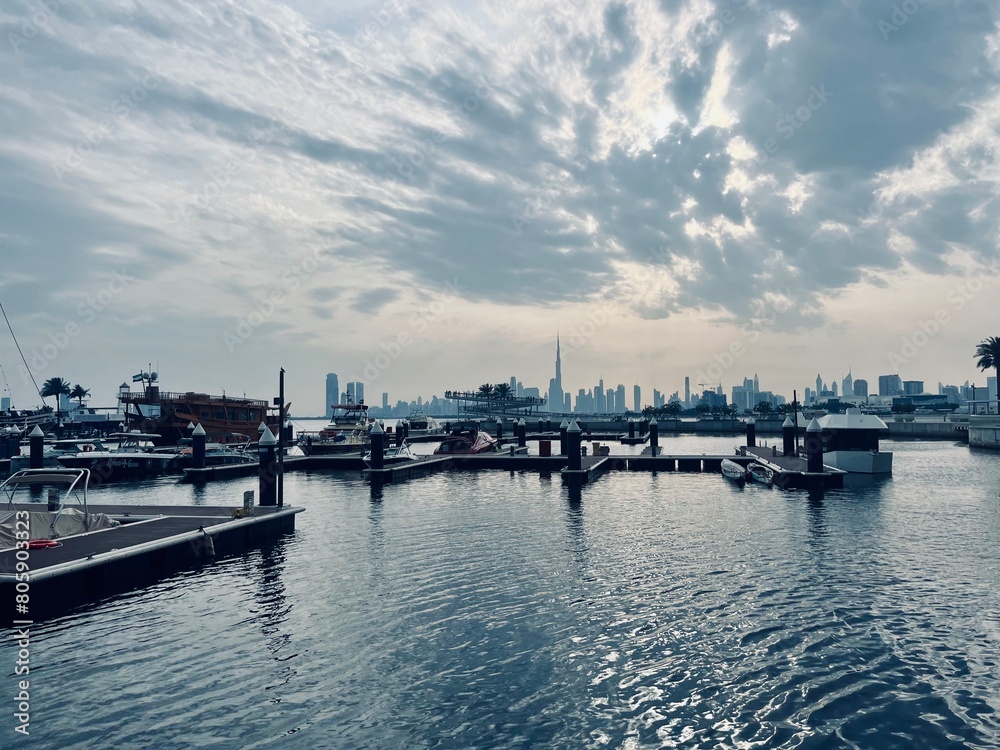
{"x": 152, "y": 542}
{"x": 791, "y": 472}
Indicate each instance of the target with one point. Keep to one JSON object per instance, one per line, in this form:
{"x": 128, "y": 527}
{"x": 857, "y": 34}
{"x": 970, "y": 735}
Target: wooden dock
{"x": 152, "y": 542}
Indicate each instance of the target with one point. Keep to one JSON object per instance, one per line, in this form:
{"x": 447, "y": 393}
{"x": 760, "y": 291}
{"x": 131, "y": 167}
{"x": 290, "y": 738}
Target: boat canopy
{"x": 76, "y": 482}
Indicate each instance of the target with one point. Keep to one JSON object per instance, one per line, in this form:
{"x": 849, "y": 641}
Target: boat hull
{"x": 117, "y": 468}
{"x": 860, "y": 462}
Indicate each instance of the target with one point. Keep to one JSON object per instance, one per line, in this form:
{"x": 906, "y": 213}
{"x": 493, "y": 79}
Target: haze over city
{"x": 219, "y": 190}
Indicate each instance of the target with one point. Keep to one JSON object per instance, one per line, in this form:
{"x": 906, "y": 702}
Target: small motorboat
{"x": 466, "y": 442}
{"x": 394, "y": 454}
{"x": 732, "y": 470}
{"x": 760, "y": 473}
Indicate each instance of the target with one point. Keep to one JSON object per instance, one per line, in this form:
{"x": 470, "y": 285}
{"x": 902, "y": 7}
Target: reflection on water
{"x": 496, "y": 611}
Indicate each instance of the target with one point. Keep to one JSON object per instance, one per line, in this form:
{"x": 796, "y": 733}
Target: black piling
{"x": 499, "y": 429}
{"x": 751, "y": 433}
{"x": 631, "y": 429}
{"x": 814, "y": 447}
{"x": 788, "y": 437}
{"x": 400, "y": 433}
{"x": 36, "y": 445}
{"x": 378, "y": 448}
{"x": 654, "y": 437}
{"x": 574, "y": 438}
{"x": 562, "y": 438}
{"x": 198, "y": 440}
{"x": 267, "y": 473}
{"x": 522, "y": 433}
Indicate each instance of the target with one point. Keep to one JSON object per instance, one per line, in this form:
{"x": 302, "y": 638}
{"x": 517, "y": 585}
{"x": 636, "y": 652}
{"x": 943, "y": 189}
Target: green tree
{"x": 55, "y": 387}
{"x": 486, "y": 389}
{"x": 79, "y": 393}
{"x": 763, "y": 408}
{"x": 988, "y": 354}
{"x": 703, "y": 409}
{"x": 672, "y": 409}
{"x": 502, "y": 390}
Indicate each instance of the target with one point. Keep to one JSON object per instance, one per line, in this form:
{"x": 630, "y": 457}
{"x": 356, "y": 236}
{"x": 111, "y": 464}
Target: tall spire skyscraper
{"x": 555, "y": 385}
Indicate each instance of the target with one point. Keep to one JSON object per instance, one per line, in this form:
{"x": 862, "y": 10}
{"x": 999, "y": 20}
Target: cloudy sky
{"x": 423, "y": 195}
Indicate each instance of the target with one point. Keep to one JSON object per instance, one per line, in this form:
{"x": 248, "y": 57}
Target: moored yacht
{"x": 133, "y": 458}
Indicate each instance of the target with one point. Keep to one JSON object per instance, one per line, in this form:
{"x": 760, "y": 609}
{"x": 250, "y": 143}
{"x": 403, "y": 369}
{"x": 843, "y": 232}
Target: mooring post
{"x": 406, "y": 428}
{"x": 36, "y": 444}
{"x": 267, "y": 468}
{"x": 377, "y": 460}
{"x": 540, "y": 426}
{"x": 814, "y": 447}
{"x": 400, "y": 433}
{"x": 654, "y": 436}
{"x": 574, "y": 437}
{"x": 499, "y": 429}
{"x": 751, "y": 433}
{"x": 788, "y": 437}
{"x": 631, "y": 428}
{"x": 562, "y": 438}
{"x": 198, "y": 440}
{"x": 6, "y": 448}
{"x": 522, "y": 433}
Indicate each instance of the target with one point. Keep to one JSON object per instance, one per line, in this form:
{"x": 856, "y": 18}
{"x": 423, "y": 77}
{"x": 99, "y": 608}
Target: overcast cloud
{"x": 299, "y": 184}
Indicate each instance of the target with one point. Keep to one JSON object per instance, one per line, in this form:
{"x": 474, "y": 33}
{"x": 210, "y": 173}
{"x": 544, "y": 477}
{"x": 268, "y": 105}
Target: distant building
{"x": 355, "y": 392}
{"x": 5, "y": 403}
{"x": 860, "y": 389}
{"x": 332, "y": 393}
{"x": 385, "y": 400}
{"x": 600, "y": 398}
{"x": 609, "y": 401}
{"x": 620, "y": 406}
{"x": 913, "y": 387}
{"x": 848, "y": 385}
{"x": 890, "y": 385}
{"x": 712, "y": 399}
{"x": 636, "y": 399}
{"x": 567, "y": 403}
{"x": 532, "y": 393}
{"x": 991, "y": 384}
{"x": 687, "y": 392}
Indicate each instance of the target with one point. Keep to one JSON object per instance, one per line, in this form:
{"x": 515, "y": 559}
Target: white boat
{"x": 419, "y": 423}
{"x": 134, "y": 457}
{"x": 51, "y": 450}
{"x": 38, "y": 529}
{"x": 394, "y": 454}
{"x": 735, "y": 472}
{"x": 760, "y": 473}
{"x": 850, "y": 443}
{"x": 347, "y": 432}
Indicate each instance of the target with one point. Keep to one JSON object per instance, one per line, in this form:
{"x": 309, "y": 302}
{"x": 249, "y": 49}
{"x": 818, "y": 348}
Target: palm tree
{"x": 672, "y": 409}
{"x": 79, "y": 393}
{"x": 502, "y": 390}
{"x": 763, "y": 409}
{"x": 55, "y": 387}
{"x": 486, "y": 389}
{"x": 988, "y": 352}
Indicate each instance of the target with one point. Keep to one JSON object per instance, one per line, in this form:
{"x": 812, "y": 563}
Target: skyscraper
{"x": 620, "y": 404}
{"x": 332, "y": 393}
{"x": 848, "y": 385}
{"x": 819, "y": 384}
{"x": 556, "y": 398}
{"x": 687, "y": 392}
{"x": 860, "y": 388}
{"x": 890, "y": 385}
{"x": 636, "y": 398}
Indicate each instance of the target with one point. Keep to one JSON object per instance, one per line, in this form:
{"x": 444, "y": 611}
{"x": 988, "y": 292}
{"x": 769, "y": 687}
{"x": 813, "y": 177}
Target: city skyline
{"x": 425, "y": 194}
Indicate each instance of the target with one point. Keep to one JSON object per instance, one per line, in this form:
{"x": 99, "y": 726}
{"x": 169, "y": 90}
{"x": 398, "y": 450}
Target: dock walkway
{"x": 150, "y": 543}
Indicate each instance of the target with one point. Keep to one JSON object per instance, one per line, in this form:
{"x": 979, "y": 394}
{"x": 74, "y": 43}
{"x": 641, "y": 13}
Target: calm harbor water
{"x": 497, "y": 610}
